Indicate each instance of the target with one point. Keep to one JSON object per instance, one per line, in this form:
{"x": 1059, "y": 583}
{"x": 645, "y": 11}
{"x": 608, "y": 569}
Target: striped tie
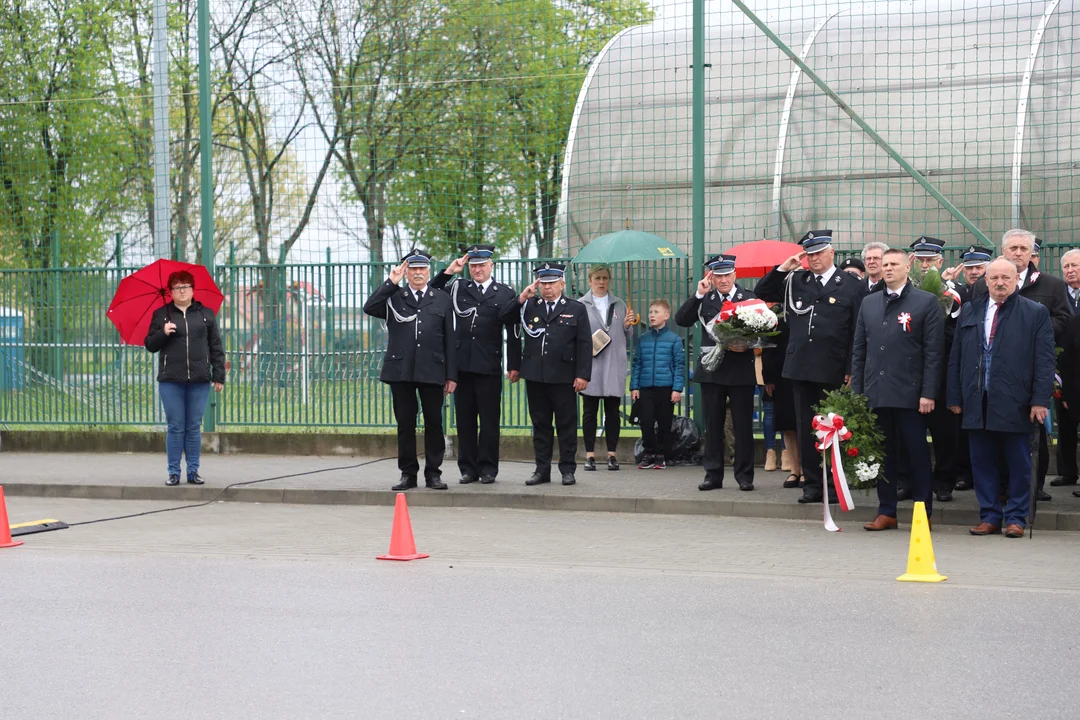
{"x": 994, "y": 324}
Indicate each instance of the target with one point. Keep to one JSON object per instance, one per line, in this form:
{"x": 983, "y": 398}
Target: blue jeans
{"x": 184, "y": 405}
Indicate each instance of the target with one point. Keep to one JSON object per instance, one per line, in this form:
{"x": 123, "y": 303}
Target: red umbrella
{"x": 144, "y": 291}
{"x": 755, "y": 259}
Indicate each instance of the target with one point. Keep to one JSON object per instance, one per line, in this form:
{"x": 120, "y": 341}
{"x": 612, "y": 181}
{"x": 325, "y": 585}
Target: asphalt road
{"x": 247, "y": 611}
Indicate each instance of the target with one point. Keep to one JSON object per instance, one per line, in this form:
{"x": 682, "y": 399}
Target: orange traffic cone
{"x": 5, "y": 529}
{"x": 402, "y": 545}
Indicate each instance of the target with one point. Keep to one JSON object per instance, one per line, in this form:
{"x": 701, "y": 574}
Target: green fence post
{"x": 56, "y": 362}
{"x": 698, "y": 255}
{"x": 328, "y": 299}
{"x": 206, "y": 148}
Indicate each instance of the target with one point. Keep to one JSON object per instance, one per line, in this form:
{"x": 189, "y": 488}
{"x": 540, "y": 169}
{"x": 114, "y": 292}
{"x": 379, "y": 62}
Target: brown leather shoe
{"x": 881, "y": 522}
{"x": 985, "y": 529}
{"x": 1014, "y": 531}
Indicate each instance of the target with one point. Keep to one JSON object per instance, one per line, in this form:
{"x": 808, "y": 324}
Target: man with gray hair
{"x": 871, "y": 257}
{"x": 1068, "y": 416}
{"x": 1017, "y": 246}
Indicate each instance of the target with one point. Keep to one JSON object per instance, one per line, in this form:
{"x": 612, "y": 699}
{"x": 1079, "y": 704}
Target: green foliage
{"x": 866, "y": 436}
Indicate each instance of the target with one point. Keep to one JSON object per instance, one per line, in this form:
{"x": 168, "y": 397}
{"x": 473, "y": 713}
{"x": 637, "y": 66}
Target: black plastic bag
{"x": 685, "y": 443}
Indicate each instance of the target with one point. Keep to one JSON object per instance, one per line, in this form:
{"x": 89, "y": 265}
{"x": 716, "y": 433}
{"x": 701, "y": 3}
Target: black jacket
{"x": 819, "y": 347}
{"x": 479, "y": 339}
{"x": 899, "y": 349}
{"x": 191, "y": 354}
{"x": 420, "y": 344}
{"x": 737, "y": 368}
{"x": 561, "y": 350}
{"x": 1069, "y": 364}
{"x": 1047, "y": 290}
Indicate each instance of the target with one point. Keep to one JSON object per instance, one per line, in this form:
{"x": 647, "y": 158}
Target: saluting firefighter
{"x": 735, "y": 379}
{"x": 556, "y": 363}
{"x": 822, "y": 306}
{"x": 419, "y": 360}
{"x": 478, "y": 304}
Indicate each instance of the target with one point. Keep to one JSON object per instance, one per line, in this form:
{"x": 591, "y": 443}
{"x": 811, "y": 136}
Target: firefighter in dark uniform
{"x": 478, "y": 304}
{"x": 556, "y": 363}
{"x": 419, "y": 360}
{"x": 822, "y": 306}
{"x": 734, "y": 380}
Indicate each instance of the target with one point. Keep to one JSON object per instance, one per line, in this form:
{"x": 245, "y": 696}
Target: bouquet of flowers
{"x": 944, "y": 290}
{"x": 863, "y": 453}
{"x": 741, "y": 325}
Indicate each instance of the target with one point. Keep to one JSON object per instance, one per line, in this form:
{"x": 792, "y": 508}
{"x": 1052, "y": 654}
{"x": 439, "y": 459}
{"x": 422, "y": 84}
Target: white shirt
{"x": 484, "y": 286}
{"x": 826, "y": 276}
{"x": 418, "y": 293}
{"x": 991, "y": 311}
{"x": 602, "y": 304}
{"x": 889, "y": 292}
{"x": 1023, "y": 276}
{"x": 1073, "y": 292}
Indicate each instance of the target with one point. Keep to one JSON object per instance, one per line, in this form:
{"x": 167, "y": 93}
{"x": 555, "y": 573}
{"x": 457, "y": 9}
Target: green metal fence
{"x": 300, "y": 351}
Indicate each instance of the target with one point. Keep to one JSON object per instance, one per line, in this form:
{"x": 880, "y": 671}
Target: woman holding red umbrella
{"x": 185, "y": 335}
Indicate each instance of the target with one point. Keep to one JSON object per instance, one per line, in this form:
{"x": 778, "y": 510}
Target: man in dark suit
{"x": 478, "y": 304}
{"x": 419, "y": 360}
{"x": 556, "y": 363}
{"x": 733, "y": 381}
{"x": 822, "y": 306}
{"x": 1001, "y": 376}
{"x": 1018, "y": 246}
{"x": 1068, "y": 410}
{"x": 896, "y": 363}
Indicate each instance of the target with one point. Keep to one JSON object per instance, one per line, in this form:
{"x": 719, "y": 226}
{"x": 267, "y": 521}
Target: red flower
{"x": 853, "y": 452}
{"x": 838, "y": 422}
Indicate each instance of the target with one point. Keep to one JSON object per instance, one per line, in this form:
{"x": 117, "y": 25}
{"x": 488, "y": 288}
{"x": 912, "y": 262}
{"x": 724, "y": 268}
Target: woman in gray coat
{"x": 608, "y": 383}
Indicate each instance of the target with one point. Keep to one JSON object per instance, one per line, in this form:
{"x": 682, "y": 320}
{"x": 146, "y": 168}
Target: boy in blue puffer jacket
{"x": 656, "y": 381}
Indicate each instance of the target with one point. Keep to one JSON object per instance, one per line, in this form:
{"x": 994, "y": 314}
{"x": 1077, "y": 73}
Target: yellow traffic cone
{"x": 921, "y": 566}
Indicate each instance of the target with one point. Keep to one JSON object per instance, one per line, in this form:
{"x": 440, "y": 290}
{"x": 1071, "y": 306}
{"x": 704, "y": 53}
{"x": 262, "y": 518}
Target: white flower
{"x": 757, "y": 318}
{"x": 867, "y": 471}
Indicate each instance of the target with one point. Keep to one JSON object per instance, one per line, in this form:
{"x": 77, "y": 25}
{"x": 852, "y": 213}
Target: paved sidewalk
{"x": 367, "y": 481}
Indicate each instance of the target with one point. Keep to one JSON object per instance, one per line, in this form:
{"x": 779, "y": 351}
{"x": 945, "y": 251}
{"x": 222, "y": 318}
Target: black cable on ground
{"x": 229, "y": 487}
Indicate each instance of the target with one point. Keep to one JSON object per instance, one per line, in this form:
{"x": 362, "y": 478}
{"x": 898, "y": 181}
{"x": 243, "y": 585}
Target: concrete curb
{"x": 967, "y": 517}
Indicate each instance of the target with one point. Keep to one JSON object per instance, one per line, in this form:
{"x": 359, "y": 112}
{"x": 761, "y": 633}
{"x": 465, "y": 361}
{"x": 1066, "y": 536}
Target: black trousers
{"x": 655, "y": 409}
{"x": 808, "y": 395}
{"x": 478, "y": 396}
{"x": 548, "y": 401}
{"x": 905, "y": 437}
{"x": 715, "y": 399}
{"x": 405, "y": 407}
{"x": 944, "y": 426}
{"x": 590, "y": 407}
{"x": 1067, "y": 426}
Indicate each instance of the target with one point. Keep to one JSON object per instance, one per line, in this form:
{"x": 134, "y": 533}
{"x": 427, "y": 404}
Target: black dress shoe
{"x": 538, "y": 479}
{"x": 590, "y": 464}
{"x": 943, "y": 496}
{"x": 810, "y": 495}
{"x": 173, "y": 480}
{"x": 466, "y": 479}
{"x": 1076, "y": 493}
{"x": 903, "y": 494}
{"x": 965, "y": 484}
{"x": 746, "y": 486}
{"x": 487, "y": 479}
{"x": 792, "y": 481}
{"x": 711, "y": 484}
{"x": 194, "y": 479}
{"x": 408, "y": 482}
{"x": 1044, "y": 496}
{"x": 568, "y": 479}
{"x": 612, "y": 463}
{"x": 434, "y": 483}
{"x": 1062, "y": 481}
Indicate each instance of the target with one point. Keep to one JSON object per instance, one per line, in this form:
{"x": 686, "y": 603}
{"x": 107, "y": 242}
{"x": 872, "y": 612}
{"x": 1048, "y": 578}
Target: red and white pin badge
{"x": 905, "y": 321}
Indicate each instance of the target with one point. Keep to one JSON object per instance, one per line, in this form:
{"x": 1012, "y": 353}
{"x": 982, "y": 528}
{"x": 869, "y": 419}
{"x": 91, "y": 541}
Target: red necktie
{"x": 994, "y": 323}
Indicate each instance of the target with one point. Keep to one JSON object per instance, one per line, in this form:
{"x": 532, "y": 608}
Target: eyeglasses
{"x": 182, "y": 287}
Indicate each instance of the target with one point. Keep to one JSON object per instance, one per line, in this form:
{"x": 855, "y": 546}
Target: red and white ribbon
{"x": 830, "y": 432}
{"x": 727, "y": 310}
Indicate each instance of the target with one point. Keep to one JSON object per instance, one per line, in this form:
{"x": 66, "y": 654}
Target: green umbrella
{"x": 627, "y": 246}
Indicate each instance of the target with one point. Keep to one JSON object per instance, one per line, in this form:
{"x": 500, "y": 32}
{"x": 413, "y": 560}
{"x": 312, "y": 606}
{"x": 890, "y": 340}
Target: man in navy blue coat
{"x": 896, "y": 363}
{"x": 1001, "y": 377}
